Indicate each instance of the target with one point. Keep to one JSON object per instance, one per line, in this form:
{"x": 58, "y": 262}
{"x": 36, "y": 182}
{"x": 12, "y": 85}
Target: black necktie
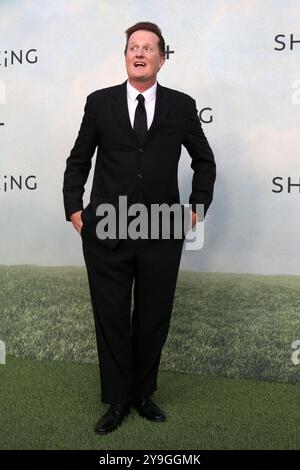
{"x": 140, "y": 119}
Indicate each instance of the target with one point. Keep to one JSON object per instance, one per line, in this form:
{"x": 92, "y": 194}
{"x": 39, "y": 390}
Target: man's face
{"x": 143, "y": 48}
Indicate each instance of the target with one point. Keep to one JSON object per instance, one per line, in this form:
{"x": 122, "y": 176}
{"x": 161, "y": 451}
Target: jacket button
{"x": 140, "y": 150}
{"x": 139, "y": 175}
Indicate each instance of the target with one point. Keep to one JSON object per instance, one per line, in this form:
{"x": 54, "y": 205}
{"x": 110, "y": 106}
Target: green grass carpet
{"x": 231, "y": 325}
{"x": 55, "y": 405}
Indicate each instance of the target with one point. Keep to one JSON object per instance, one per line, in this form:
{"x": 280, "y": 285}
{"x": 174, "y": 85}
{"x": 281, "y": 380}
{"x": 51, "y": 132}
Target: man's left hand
{"x": 194, "y": 218}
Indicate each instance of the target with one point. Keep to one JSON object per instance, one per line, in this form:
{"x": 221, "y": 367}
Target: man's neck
{"x": 142, "y": 86}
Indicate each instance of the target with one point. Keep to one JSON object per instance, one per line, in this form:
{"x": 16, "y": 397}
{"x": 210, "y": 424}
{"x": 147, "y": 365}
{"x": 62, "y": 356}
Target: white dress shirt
{"x": 149, "y": 95}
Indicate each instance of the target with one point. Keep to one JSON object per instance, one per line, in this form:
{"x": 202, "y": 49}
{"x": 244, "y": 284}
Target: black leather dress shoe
{"x": 148, "y": 409}
{"x": 112, "y": 418}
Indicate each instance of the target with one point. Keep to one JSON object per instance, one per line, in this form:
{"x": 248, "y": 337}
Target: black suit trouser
{"x": 130, "y": 340}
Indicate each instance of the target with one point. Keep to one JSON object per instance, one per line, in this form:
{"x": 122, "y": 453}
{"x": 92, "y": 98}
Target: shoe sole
{"x": 155, "y": 420}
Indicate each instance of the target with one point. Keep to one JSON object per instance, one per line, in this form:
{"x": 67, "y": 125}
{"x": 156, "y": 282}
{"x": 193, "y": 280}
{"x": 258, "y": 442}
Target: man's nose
{"x": 139, "y": 53}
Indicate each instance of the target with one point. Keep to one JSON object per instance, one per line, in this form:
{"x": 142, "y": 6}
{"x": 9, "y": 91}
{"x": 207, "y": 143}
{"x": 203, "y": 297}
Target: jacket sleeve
{"x": 78, "y": 163}
{"x": 203, "y": 161}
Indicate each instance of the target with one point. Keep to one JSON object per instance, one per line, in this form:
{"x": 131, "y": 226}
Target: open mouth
{"x": 139, "y": 64}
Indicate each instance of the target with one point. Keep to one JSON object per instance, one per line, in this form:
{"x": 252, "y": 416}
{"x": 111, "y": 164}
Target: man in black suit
{"x": 139, "y": 127}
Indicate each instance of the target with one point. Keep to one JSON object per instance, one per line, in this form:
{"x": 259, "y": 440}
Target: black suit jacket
{"x": 125, "y": 166}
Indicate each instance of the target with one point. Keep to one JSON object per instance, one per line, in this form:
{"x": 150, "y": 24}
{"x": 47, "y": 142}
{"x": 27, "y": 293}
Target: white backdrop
{"x": 224, "y": 57}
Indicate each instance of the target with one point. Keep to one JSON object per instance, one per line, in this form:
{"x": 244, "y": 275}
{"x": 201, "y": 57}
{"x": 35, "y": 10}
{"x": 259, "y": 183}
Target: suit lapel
{"x": 120, "y": 109}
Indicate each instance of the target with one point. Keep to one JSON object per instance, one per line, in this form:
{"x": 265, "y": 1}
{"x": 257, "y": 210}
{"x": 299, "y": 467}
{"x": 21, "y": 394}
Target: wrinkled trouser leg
{"x": 129, "y": 349}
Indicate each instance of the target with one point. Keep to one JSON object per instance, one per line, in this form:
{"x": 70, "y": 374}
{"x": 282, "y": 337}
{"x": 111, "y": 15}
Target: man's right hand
{"x": 77, "y": 221}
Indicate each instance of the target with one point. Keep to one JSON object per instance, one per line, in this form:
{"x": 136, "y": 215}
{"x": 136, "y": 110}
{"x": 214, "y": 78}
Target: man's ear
{"x": 160, "y": 66}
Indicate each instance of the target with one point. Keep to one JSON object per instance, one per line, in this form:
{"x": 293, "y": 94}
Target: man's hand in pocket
{"x": 76, "y": 220}
{"x": 194, "y": 218}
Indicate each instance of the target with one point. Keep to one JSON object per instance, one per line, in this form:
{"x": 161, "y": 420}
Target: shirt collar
{"x": 148, "y": 94}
